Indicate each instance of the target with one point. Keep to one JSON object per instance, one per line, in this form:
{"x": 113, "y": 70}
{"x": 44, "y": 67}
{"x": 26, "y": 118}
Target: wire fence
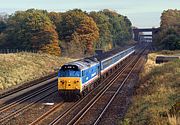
{"x": 6, "y": 51}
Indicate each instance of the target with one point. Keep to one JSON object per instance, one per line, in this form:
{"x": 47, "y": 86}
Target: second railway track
{"x": 95, "y": 111}
{"x": 20, "y": 105}
{"x": 26, "y": 85}
{"x": 77, "y": 112}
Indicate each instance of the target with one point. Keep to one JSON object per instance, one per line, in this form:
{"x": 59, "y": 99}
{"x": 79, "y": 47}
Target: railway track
{"x": 92, "y": 114}
{"x": 23, "y": 99}
{"x": 27, "y": 85}
{"x": 116, "y": 111}
{"x": 80, "y": 109}
{"x": 64, "y": 115}
{"x": 68, "y": 105}
{"x": 54, "y": 114}
{"x": 13, "y": 109}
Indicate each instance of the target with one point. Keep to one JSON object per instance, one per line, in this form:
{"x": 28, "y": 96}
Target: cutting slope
{"x": 22, "y": 67}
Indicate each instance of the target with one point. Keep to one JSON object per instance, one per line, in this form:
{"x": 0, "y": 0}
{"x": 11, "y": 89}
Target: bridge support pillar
{"x": 136, "y": 35}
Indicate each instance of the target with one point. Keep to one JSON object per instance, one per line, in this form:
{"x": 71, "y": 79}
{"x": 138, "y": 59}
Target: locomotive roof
{"x": 83, "y": 63}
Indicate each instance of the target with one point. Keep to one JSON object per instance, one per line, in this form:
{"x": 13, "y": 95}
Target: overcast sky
{"x": 142, "y": 13}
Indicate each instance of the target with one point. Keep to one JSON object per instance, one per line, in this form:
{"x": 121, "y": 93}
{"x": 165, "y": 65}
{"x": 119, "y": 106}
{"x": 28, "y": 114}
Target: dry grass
{"x": 173, "y": 120}
{"x": 158, "y": 92}
{"x": 22, "y": 67}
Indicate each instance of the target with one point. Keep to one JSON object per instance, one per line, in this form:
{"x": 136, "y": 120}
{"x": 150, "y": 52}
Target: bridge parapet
{"x": 137, "y": 32}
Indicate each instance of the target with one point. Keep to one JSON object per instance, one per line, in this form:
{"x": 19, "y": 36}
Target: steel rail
{"x": 113, "y": 97}
{"x": 27, "y": 85}
{"x": 82, "y": 113}
{"x": 8, "y": 117}
{"x": 13, "y": 104}
{"x": 46, "y": 114}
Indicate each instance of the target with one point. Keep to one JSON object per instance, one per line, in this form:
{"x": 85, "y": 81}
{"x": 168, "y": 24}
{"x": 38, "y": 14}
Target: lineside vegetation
{"x": 22, "y": 67}
{"x": 169, "y": 36}
{"x": 157, "y": 99}
{"x": 71, "y": 33}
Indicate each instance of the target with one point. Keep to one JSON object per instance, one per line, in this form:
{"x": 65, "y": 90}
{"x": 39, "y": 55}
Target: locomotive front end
{"x": 69, "y": 81}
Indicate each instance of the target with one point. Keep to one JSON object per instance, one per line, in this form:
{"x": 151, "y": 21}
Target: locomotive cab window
{"x": 69, "y": 71}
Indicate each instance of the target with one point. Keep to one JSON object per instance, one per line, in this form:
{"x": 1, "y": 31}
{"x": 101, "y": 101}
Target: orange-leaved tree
{"x": 32, "y": 29}
{"x": 77, "y": 24}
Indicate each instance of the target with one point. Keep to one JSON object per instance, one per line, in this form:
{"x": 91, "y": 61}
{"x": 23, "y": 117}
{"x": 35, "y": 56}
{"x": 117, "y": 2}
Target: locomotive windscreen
{"x": 69, "y": 71}
{"x": 70, "y": 67}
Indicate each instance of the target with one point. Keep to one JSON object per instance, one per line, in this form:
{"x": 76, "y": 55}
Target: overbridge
{"x": 138, "y": 33}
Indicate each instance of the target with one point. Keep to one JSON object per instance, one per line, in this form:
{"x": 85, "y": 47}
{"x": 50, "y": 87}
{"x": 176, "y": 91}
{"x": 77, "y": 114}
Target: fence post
{"x": 7, "y": 51}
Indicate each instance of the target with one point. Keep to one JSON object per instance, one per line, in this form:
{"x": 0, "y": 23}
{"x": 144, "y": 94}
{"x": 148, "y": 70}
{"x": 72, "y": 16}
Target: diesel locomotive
{"x": 76, "y": 77}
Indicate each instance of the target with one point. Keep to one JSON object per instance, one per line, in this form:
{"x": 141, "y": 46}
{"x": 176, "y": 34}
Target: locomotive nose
{"x": 69, "y": 83}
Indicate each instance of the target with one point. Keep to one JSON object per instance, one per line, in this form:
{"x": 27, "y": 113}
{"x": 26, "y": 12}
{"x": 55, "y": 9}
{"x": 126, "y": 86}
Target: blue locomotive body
{"x": 74, "y": 77}
{"x": 77, "y": 76}
{"x": 90, "y": 74}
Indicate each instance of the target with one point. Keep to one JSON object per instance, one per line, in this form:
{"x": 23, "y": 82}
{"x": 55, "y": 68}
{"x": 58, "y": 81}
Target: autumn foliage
{"x": 169, "y": 35}
{"x": 171, "y": 19}
{"x": 76, "y": 26}
{"x": 105, "y": 37}
{"x": 71, "y": 33}
{"x": 31, "y": 29}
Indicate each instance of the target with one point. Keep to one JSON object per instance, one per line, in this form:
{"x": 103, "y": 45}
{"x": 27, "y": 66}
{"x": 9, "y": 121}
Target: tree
{"x": 120, "y": 27}
{"x": 170, "y": 19}
{"x": 2, "y": 26}
{"x": 171, "y": 42}
{"x": 79, "y": 24}
{"x": 3, "y": 21}
{"x": 56, "y": 18}
{"x": 105, "y": 36}
{"x": 32, "y": 29}
{"x": 78, "y": 31}
{"x": 169, "y": 35}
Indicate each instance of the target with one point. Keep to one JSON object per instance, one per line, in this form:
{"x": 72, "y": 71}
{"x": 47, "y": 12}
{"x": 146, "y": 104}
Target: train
{"x": 76, "y": 78}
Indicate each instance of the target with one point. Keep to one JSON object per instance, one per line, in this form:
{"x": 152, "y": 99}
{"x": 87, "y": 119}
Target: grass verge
{"x": 21, "y": 67}
{"x": 157, "y": 99}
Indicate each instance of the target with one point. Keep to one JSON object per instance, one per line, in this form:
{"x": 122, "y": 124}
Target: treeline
{"x": 169, "y": 35}
{"x": 74, "y": 32}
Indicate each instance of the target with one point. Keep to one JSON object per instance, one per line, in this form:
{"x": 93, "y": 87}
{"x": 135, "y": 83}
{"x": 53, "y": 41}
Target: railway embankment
{"x": 19, "y": 68}
{"x": 157, "y": 98}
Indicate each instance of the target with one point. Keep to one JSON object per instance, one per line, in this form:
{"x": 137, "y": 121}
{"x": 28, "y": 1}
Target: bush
{"x": 171, "y": 42}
